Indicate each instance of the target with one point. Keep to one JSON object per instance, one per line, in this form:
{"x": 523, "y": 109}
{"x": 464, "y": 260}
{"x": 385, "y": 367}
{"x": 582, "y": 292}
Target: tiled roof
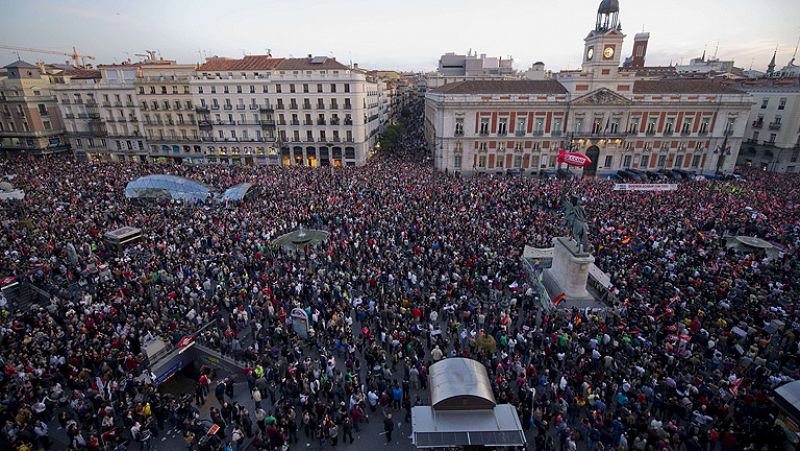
{"x": 682, "y": 87}
{"x": 307, "y": 64}
{"x": 265, "y": 62}
{"x": 82, "y": 74}
{"x": 249, "y": 62}
{"x": 19, "y": 64}
{"x": 502, "y": 87}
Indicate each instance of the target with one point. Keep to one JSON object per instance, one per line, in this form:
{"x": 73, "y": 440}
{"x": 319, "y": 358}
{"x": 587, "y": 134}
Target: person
{"x": 388, "y": 427}
{"x": 219, "y": 391}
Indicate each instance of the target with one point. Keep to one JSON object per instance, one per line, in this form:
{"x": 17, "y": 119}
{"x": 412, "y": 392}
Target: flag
{"x": 557, "y": 300}
{"x": 578, "y": 319}
{"x": 626, "y": 240}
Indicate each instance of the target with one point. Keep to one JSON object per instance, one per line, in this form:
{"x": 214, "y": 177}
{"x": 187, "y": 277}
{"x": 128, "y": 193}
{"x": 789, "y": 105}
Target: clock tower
{"x": 604, "y": 43}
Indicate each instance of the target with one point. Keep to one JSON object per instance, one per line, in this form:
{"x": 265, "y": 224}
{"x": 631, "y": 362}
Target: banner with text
{"x": 645, "y": 186}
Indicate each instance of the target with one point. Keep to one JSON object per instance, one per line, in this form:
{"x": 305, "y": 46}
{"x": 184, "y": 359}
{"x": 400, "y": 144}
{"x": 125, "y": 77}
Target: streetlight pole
{"x": 722, "y": 151}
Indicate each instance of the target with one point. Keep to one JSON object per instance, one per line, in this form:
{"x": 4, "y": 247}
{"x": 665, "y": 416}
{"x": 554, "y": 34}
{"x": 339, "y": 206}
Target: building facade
{"x": 310, "y": 111}
{"x": 772, "y": 138}
{"x": 168, "y": 113}
{"x": 30, "y": 121}
{"x": 619, "y": 119}
{"x": 101, "y": 113}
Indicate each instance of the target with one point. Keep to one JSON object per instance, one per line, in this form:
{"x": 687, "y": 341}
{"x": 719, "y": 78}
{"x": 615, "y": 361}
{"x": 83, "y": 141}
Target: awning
{"x": 442, "y": 429}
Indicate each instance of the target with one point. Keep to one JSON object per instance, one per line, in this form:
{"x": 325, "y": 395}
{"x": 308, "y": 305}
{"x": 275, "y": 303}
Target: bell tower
{"x": 604, "y": 44}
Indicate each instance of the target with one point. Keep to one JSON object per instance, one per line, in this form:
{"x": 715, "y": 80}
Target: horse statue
{"x": 575, "y": 220}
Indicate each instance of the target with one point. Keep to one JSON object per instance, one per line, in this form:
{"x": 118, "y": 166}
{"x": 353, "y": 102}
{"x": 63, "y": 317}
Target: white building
{"x": 305, "y": 111}
{"x": 101, "y": 114}
{"x": 772, "y": 138}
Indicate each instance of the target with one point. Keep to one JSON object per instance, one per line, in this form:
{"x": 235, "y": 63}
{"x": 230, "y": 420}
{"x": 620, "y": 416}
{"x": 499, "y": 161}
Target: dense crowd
{"x": 684, "y": 357}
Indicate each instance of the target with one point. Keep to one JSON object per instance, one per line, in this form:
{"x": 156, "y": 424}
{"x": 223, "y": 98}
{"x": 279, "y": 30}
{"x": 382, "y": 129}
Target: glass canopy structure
{"x": 166, "y": 187}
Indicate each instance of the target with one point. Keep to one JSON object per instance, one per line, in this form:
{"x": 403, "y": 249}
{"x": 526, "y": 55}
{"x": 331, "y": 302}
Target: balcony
{"x": 145, "y": 107}
{"x": 458, "y": 133}
{"x": 667, "y": 132}
{"x": 253, "y": 106}
{"x": 334, "y": 106}
{"x": 321, "y": 122}
{"x": 215, "y": 107}
{"x": 538, "y": 132}
{"x": 729, "y": 132}
{"x": 306, "y": 106}
{"x": 758, "y": 124}
{"x": 702, "y": 132}
{"x": 483, "y": 133}
{"x": 516, "y": 133}
{"x": 348, "y": 122}
{"x": 347, "y": 106}
{"x": 267, "y": 123}
{"x": 686, "y": 132}
{"x": 334, "y": 121}
{"x": 204, "y": 125}
{"x": 774, "y": 125}
{"x": 293, "y": 106}
{"x": 294, "y": 122}
{"x": 555, "y": 133}
{"x": 227, "y": 107}
{"x": 650, "y": 132}
{"x": 308, "y": 122}
{"x": 266, "y": 108}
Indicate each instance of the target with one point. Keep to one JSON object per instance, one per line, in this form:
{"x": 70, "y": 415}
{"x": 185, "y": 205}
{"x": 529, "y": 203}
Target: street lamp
{"x": 723, "y": 150}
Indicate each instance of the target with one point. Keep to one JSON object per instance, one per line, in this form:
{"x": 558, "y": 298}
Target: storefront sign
{"x": 300, "y": 322}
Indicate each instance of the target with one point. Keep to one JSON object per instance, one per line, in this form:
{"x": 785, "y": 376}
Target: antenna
{"x": 794, "y": 55}
{"x": 716, "y": 49}
{"x": 19, "y": 58}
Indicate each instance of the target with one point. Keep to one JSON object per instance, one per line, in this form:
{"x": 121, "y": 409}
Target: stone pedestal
{"x": 569, "y": 272}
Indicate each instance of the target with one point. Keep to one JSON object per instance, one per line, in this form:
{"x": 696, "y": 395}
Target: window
{"x": 252, "y": 89}
{"x": 199, "y": 89}
{"x": 578, "y": 125}
{"x": 645, "y": 160}
{"x": 764, "y": 103}
{"x": 678, "y": 161}
{"x": 704, "y": 123}
{"x": 517, "y": 161}
{"x": 777, "y": 120}
{"x": 141, "y": 89}
{"x": 278, "y": 89}
{"x": 498, "y": 162}
{"x": 42, "y": 109}
{"x": 557, "y": 126}
{"x": 662, "y": 161}
{"x": 456, "y": 159}
{"x": 696, "y": 161}
{"x": 795, "y": 154}
{"x": 484, "y": 126}
{"x": 520, "y": 128}
{"x": 305, "y": 87}
{"x": 538, "y": 126}
{"x": 502, "y": 126}
{"x": 213, "y": 90}
{"x": 626, "y": 161}
{"x": 291, "y": 87}
{"x": 669, "y": 127}
{"x": 772, "y": 137}
{"x": 333, "y": 87}
{"x": 482, "y": 161}
{"x": 634, "y": 128}
{"x": 238, "y": 89}
{"x": 782, "y": 103}
{"x": 614, "y": 126}
{"x": 755, "y": 135}
{"x": 459, "y": 126}
{"x": 347, "y": 87}
{"x": 609, "y": 160}
{"x": 319, "y": 87}
{"x": 651, "y": 126}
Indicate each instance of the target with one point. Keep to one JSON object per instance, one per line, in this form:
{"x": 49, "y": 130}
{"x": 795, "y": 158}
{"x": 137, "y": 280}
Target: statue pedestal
{"x": 569, "y": 273}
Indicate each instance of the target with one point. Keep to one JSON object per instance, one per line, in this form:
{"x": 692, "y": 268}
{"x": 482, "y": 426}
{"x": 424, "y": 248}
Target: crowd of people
{"x": 419, "y": 266}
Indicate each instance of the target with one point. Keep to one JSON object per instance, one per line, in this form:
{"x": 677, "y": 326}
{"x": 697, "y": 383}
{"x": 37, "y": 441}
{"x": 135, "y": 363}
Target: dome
{"x": 166, "y": 186}
{"x": 608, "y": 7}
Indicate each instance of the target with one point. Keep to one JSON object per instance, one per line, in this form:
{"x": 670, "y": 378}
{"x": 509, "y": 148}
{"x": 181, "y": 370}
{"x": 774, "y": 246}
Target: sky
{"x": 399, "y": 34}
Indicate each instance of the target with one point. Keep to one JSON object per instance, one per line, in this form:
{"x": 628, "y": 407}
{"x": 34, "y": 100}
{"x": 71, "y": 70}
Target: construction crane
{"x": 78, "y": 60}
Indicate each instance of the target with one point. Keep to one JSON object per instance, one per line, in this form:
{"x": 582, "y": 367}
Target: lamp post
{"x": 723, "y": 150}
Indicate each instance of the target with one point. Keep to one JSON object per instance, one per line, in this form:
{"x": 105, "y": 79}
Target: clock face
{"x": 590, "y": 53}
{"x": 608, "y": 52}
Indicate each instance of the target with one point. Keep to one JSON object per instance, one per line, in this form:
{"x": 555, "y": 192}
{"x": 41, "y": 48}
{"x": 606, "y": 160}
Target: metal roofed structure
{"x": 433, "y": 428}
{"x": 463, "y": 410}
{"x": 458, "y": 384}
{"x": 237, "y": 192}
{"x": 166, "y": 187}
